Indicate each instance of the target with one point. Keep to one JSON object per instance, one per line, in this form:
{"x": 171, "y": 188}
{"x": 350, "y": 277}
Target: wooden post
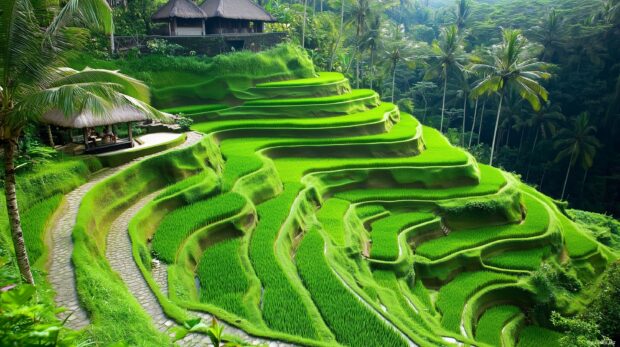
{"x": 85, "y": 132}
{"x": 169, "y": 28}
{"x": 130, "y": 133}
{"x": 203, "y": 28}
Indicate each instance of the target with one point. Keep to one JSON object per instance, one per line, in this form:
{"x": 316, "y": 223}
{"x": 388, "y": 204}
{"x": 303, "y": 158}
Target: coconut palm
{"x": 513, "y": 69}
{"x": 544, "y": 122}
{"x": 447, "y": 59}
{"x": 549, "y": 33}
{"x": 33, "y": 81}
{"x": 461, "y": 14}
{"x": 577, "y": 142}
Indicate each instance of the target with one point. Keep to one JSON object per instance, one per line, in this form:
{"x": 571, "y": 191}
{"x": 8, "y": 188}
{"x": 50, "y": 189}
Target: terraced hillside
{"x": 314, "y": 214}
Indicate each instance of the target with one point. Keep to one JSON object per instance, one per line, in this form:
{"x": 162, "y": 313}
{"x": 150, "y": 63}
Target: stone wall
{"x": 208, "y": 45}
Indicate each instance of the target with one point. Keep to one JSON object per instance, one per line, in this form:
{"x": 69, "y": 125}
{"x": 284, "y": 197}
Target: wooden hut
{"x": 184, "y": 18}
{"x": 234, "y": 16}
{"x": 106, "y": 139}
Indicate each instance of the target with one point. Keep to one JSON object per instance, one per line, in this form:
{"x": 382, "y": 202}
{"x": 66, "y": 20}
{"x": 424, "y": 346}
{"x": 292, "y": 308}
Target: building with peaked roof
{"x": 184, "y": 18}
{"x": 234, "y": 16}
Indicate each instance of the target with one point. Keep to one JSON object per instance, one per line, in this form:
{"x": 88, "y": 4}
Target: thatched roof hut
{"x": 95, "y": 143}
{"x": 236, "y": 9}
{"x": 184, "y": 18}
{"x": 87, "y": 119}
{"x": 234, "y": 16}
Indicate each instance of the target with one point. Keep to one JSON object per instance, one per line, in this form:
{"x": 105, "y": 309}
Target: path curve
{"x": 61, "y": 273}
{"x": 120, "y": 256}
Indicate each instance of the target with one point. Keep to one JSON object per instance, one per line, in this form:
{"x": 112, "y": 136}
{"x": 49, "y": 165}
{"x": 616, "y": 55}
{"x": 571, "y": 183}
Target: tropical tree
{"x": 461, "y": 14}
{"x": 550, "y": 33}
{"x": 447, "y": 59}
{"x": 577, "y": 142}
{"x": 371, "y": 42}
{"x": 513, "y": 68}
{"x": 545, "y": 123}
{"x": 33, "y": 81}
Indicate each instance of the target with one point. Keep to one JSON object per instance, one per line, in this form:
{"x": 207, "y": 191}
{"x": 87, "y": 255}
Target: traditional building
{"x": 234, "y": 17}
{"x": 184, "y": 18}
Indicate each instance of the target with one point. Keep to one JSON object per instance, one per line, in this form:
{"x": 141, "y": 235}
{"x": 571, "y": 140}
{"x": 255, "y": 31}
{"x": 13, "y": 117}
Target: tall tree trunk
{"x": 542, "y": 178}
{"x": 521, "y": 139}
{"x": 473, "y": 124}
{"x": 50, "y": 137}
{"x": 303, "y": 27}
{"x": 13, "y": 211}
{"x": 570, "y": 164}
{"x": 393, "y": 80}
{"x": 321, "y": 6}
{"x": 464, "y": 118}
{"x": 333, "y": 55}
{"x": 499, "y": 112}
{"x": 443, "y": 101}
{"x": 357, "y": 71}
{"x": 484, "y": 105}
{"x": 583, "y": 182}
{"x": 372, "y": 67}
{"x": 425, "y": 108}
{"x": 529, "y": 165}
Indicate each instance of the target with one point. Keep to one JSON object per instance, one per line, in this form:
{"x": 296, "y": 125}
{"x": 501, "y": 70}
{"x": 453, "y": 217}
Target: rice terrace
{"x": 310, "y": 173}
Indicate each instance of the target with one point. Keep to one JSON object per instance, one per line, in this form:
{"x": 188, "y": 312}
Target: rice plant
{"x": 385, "y": 231}
{"x": 223, "y": 279}
{"x": 352, "y": 322}
{"x": 180, "y": 223}
{"x": 453, "y": 296}
{"x": 490, "y": 325}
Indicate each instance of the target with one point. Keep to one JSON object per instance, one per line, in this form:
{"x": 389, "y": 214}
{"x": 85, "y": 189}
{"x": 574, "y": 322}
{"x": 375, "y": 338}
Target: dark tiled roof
{"x": 179, "y": 9}
{"x": 236, "y": 9}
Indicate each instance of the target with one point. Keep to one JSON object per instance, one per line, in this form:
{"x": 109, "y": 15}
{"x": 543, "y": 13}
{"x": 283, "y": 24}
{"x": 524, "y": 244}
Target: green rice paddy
{"x": 297, "y": 216}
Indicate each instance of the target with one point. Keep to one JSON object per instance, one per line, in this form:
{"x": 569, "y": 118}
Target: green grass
{"x": 355, "y": 94}
{"x": 282, "y": 307}
{"x": 453, "y": 296}
{"x": 193, "y": 109}
{"x": 34, "y": 221}
{"x": 529, "y": 259}
{"x": 331, "y": 215}
{"x": 182, "y": 222}
{"x": 490, "y": 325}
{"x": 369, "y": 210}
{"x": 536, "y": 223}
{"x": 385, "y": 231}
{"x": 535, "y": 336}
{"x": 322, "y": 78}
{"x": 353, "y": 323}
{"x": 223, "y": 279}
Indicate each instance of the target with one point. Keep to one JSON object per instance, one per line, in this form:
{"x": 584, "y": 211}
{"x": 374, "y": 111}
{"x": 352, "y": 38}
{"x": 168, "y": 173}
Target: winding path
{"x": 119, "y": 254}
{"x": 61, "y": 273}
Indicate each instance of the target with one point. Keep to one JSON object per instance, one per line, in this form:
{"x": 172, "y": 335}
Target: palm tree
{"x": 303, "y": 26}
{"x": 461, "y": 14}
{"x": 549, "y": 33}
{"x": 371, "y": 41}
{"x": 447, "y": 59}
{"x": 339, "y": 38}
{"x": 33, "y": 81}
{"x": 577, "y": 142}
{"x": 544, "y": 122}
{"x": 513, "y": 68}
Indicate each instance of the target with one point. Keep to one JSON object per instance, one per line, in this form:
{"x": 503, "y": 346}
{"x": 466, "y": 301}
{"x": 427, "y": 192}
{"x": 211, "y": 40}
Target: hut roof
{"x": 179, "y": 9}
{"x": 236, "y": 9}
{"x": 88, "y": 119}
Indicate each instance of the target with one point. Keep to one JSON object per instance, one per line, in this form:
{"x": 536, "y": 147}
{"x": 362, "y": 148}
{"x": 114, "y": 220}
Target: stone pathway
{"x": 62, "y": 277}
{"x": 120, "y": 256}
{"x": 61, "y": 274}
